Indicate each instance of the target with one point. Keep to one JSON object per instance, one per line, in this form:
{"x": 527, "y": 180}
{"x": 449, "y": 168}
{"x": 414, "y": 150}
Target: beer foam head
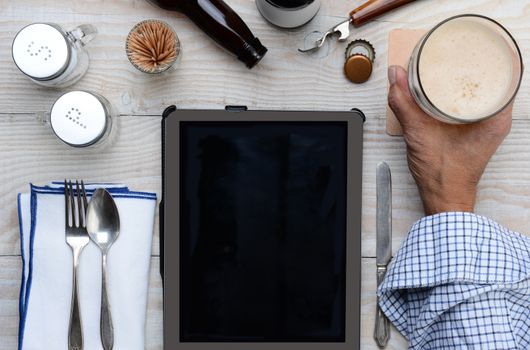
{"x": 467, "y": 68}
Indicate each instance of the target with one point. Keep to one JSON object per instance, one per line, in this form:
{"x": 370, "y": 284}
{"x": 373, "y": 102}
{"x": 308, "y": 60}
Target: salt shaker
{"x": 81, "y": 118}
{"x": 51, "y": 56}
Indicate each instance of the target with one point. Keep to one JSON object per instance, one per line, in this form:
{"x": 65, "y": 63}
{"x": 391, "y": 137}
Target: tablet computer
{"x": 261, "y": 229}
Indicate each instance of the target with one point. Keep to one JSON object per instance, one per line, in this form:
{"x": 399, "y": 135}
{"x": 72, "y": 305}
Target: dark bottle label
{"x": 290, "y": 4}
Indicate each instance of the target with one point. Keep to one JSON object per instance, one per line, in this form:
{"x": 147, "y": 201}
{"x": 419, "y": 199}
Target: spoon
{"x": 103, "y": 226}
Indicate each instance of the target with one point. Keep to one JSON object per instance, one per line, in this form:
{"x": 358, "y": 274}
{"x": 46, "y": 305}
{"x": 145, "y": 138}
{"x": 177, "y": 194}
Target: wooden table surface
{"x": 207, "y": 77}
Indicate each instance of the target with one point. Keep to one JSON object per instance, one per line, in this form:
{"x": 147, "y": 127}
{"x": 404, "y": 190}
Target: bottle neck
{"x": 252, "y": 52}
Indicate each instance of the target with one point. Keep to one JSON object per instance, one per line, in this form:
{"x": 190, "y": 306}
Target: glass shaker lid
{"x": 40, "y": 51}
{"x": 79, "y": 118}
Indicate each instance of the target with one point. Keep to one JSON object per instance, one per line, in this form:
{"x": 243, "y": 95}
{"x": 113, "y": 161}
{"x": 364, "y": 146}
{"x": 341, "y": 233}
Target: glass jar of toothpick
{"x": 152, "y": 46}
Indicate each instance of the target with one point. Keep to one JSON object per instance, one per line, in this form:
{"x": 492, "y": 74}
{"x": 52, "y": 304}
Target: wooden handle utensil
{"x": 373, "y": 9}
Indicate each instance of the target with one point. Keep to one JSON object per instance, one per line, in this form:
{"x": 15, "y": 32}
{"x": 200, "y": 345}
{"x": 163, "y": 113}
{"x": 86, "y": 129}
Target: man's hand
{"x": 446, "y": 160}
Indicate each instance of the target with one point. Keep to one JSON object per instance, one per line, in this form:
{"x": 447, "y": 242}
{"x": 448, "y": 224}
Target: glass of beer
{"x": 466, "y": 69}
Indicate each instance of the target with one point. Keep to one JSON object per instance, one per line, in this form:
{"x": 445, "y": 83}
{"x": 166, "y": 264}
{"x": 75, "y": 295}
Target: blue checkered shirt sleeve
{"x": 460, "y": 281}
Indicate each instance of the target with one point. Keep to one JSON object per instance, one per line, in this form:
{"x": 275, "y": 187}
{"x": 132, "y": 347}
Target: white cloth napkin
{"x": 46, "y": 288}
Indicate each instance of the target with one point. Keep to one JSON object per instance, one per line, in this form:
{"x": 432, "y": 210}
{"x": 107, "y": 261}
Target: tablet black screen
{"x": 262, "y": 231}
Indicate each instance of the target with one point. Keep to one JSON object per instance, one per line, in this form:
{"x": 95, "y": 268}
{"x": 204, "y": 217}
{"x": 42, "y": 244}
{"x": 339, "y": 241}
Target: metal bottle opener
{"x": 361, "y": 15}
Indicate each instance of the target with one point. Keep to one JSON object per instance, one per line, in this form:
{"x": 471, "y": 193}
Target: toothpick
{"x": 152, "y": 46}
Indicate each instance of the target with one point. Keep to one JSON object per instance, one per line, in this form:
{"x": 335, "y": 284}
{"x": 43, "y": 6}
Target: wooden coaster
{"x": 401, "y": 43}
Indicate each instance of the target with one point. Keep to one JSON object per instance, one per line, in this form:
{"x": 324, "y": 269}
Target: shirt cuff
{"x": 458, "y": 246}
{"x": 447, "y": 259}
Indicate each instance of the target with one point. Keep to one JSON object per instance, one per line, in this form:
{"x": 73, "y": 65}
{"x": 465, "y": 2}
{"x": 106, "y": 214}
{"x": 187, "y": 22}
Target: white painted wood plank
{"x": 503, "y": 195}
{"x": 10, "y": 271}
{"x": 209, "y": 78}
{"x": 10, "y": 284}
{"x": 30, "y": 153}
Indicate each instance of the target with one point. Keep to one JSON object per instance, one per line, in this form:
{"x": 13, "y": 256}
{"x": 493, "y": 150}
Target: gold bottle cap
{"x": 360, "y": 55}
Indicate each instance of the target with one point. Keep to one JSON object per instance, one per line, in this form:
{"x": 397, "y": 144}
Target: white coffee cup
{"x": 288, "y": 13}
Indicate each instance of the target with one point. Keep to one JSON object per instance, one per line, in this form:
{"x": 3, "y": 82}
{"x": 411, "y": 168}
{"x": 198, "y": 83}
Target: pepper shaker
{"x": 81, "y": 118}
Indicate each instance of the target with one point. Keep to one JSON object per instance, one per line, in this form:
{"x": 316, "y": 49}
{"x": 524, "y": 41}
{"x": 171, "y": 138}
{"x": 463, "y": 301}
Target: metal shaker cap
{"x": 41, "y": 51}
{"x": 79, "y": 118}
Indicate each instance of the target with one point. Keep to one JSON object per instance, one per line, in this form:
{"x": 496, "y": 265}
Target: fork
{"x": 77, "y": 238}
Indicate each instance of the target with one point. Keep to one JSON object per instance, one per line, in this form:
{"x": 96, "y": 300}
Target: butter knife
{"x": 384, "y": 245}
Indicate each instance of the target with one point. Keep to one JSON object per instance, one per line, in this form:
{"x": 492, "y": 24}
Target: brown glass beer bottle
{"x": 221, "y": 23}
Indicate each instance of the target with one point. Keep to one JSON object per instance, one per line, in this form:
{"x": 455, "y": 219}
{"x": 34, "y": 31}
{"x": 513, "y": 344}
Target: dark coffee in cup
{"x": 290, "y": 4}
{"x": 288, "y": 13}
